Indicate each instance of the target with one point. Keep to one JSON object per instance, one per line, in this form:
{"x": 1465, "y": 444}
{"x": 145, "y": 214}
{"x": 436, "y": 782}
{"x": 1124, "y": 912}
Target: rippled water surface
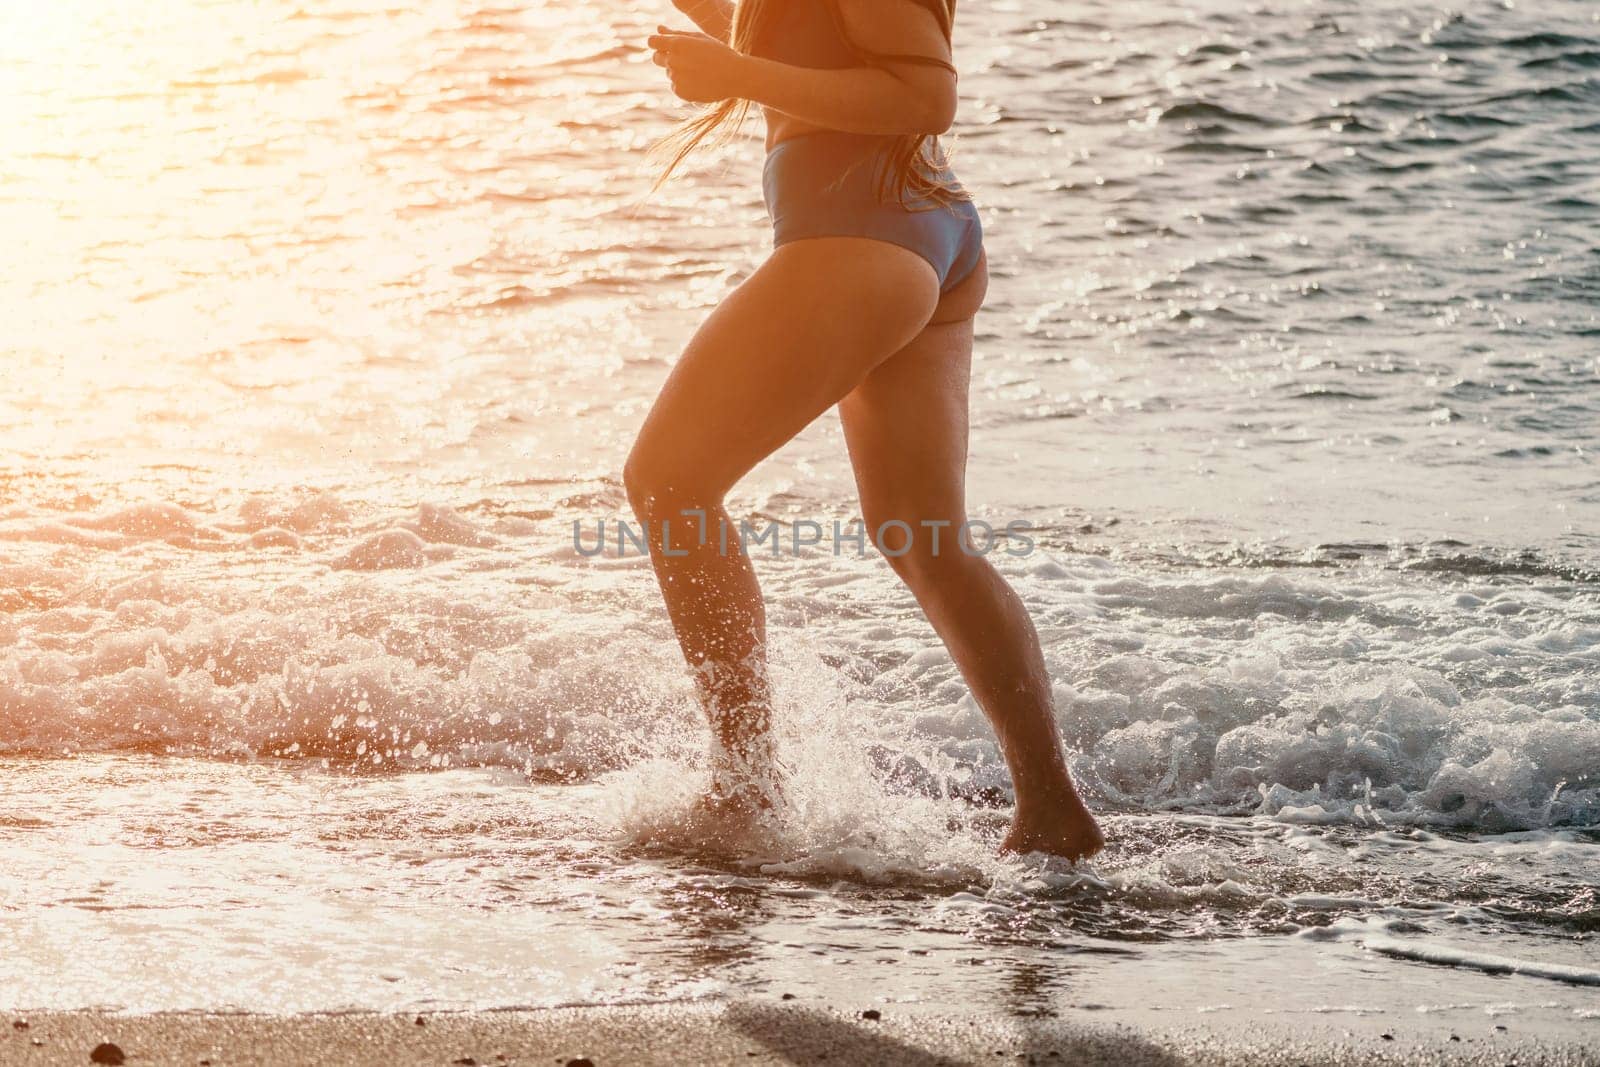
{"x": 325, "y": 324}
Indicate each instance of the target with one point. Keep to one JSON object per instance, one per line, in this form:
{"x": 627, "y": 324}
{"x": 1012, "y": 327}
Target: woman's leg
{"x": 782, "y": 349}
{"x": 906, "y": 425}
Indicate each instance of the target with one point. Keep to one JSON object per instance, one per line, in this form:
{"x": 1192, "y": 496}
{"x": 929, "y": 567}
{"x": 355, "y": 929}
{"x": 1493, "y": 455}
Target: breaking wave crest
{"x": 1363, "y": 695}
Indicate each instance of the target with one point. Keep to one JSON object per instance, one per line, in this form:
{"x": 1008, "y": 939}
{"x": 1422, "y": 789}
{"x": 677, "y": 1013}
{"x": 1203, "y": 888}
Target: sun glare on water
{"x": 239, "y": 229}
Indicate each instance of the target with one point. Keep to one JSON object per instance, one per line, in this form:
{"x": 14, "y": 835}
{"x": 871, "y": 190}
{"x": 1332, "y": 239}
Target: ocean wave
{"x": 1389, "y": 697}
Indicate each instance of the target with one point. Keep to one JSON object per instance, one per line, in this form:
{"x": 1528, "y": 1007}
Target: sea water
{"x": 327, "y": 325}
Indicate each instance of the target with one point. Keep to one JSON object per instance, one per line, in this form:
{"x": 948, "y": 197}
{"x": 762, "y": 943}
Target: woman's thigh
{"x": 906, "y": 422}
{"x": 906, "y": 426}
{"x": 786, "y": 345}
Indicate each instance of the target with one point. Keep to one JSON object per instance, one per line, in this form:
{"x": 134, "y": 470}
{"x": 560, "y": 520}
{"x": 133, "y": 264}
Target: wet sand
{"x": 756, "y": 1032}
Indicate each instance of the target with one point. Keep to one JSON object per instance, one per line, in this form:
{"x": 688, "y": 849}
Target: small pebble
{"x": 872, "y": 1015}
{"x": 20, "y": 1024}
{"x": 106, "y": 1052}
{"x": 465, "y": 1061}
{"x": 1387, "y": 1037}
{"x": 787, "y": 996}
{"x": 581, "y": 1061}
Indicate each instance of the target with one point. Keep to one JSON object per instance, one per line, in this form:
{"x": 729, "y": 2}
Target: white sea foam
{"x": 1450, "y": 956}
{"x": 1313, "y": 699}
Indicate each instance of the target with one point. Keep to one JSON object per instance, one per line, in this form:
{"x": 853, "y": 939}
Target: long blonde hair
{"x": 913, "y": 163}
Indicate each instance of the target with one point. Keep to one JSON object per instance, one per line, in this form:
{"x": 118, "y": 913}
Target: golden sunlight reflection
{"x": 239, "y": 230}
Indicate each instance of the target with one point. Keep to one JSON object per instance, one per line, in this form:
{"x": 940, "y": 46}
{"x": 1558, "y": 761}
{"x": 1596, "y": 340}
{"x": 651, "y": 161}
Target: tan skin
{"x": 894, "y": 354}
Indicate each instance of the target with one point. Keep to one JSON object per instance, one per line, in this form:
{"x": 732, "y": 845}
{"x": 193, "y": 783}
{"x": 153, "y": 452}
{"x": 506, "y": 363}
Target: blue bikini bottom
{"x": 827, "y": 184}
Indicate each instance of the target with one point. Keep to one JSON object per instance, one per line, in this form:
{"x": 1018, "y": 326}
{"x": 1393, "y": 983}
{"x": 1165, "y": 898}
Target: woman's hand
{"x": 702, "y": 70}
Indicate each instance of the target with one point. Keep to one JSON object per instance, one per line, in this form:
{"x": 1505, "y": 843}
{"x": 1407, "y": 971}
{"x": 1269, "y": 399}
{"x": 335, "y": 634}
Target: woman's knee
{"x": 647, "y": 483}
{"x": 923, "y": 552}
{"x": 656, "y": 485}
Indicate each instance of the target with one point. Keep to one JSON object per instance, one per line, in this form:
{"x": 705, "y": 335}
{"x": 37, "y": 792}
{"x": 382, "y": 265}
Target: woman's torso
{"x": 802, "y": 33}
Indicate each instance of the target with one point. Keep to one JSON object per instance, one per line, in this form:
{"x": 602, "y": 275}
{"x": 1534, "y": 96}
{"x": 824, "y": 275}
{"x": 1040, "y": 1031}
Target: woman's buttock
{"x": 964, "y": 301}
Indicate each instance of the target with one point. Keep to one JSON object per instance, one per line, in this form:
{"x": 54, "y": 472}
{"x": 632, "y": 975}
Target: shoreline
{"x": 757, "y": 1031}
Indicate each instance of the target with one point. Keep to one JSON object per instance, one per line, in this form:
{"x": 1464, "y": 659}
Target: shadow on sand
{"x": 806, "y": 1035}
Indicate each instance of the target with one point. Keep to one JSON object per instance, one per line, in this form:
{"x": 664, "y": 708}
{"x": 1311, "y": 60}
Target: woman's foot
{"x": 1062, "y": 829}
{"x": 741, "y": 791}
{"x": 736, "y": 803}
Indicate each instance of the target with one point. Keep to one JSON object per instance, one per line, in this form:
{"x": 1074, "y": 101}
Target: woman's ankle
{"x": 1050, "y": 799}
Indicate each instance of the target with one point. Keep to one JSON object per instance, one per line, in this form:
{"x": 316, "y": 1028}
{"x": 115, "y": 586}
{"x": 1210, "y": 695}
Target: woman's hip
{"x": 832, "y": 184}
